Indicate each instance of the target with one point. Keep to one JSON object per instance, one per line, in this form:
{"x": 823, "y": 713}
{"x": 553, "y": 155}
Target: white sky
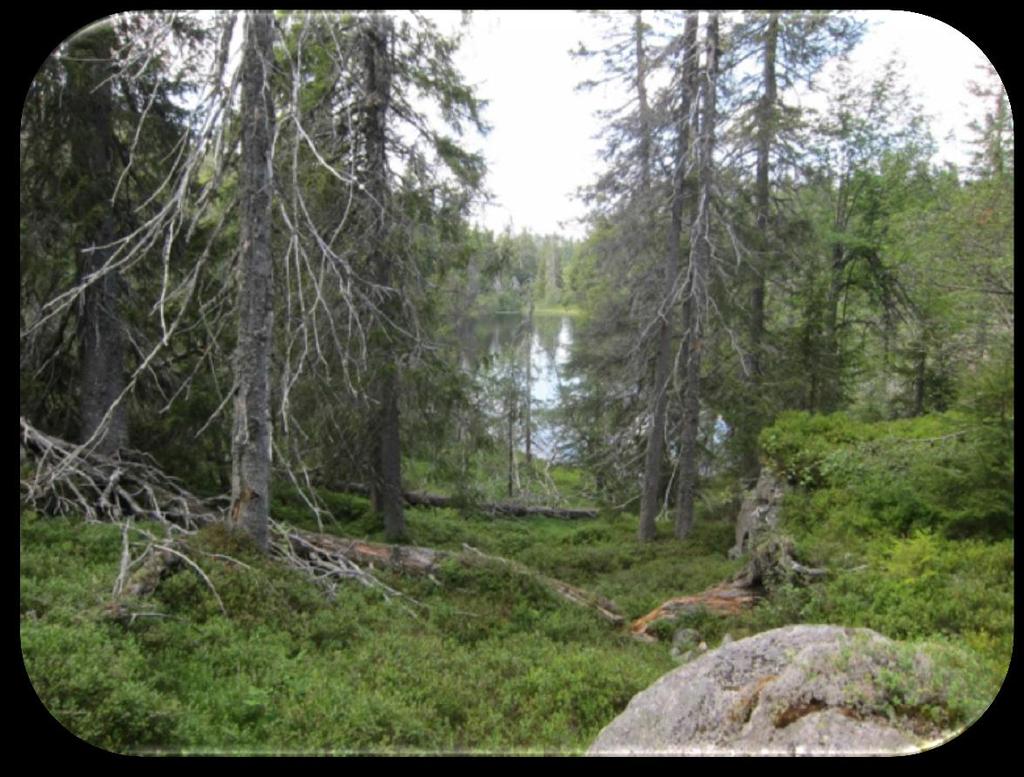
{"x": 542, "y": 146}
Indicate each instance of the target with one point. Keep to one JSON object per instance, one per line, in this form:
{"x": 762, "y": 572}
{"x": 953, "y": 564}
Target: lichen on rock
{"x": 797, "y": 690}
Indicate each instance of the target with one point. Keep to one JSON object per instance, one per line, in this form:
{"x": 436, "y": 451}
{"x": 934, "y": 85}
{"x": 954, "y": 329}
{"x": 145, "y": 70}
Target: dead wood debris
{"x": 66, "y": 479}
{"x": 513, "y": 509}
{"x": 62, "y": 478}
{"x": 327, "y": 555}
{"x": 771, "y": 561}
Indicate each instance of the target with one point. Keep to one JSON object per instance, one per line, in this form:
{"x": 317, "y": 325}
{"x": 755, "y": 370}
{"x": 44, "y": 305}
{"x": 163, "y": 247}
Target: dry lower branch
{"x": 66, "y": 480}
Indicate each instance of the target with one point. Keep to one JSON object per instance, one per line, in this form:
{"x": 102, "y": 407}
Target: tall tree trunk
{"x": 387, "y": 479}
{"x": 553, "y": 270}
{"x": 762, "y": 194}
{"x": 651, "y": 497}
{"x": 93, "y": 150}
{"x": 920, "y": 375}
{"x": 766, "y": 129}
{"x": 251, "y": 439}
{"x": 644, "y": 109}
{"x": 527, "y": 421}
{"x": 511, "y": 448}
{"x": 831, "y": 367}
{"x": 700, "y": 258}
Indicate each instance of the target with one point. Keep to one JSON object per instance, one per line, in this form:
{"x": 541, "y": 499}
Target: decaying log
{"x": 514, "y": 509}
{"x": 723, "y": 599}
{"x": 411, "y": 559}
{"x": 770, "y": 562}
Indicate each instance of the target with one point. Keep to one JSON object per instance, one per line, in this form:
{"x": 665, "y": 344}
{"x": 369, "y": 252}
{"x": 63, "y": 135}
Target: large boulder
{"x": 813, "y": 690}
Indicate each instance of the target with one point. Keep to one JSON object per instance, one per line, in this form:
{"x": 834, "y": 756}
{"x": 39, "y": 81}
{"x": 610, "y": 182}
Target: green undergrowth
{"x": 947, "y": 473}
{"x": 539, "y": 483}
{"x": 488, "y": 661}
{"x": 600, "y": 554}
{"x": 914, "y": 520}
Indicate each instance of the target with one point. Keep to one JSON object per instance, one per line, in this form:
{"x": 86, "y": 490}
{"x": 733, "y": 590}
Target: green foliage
{"x": 946, "y": 472}
{"x": 290, "y": 505}
{"x": 935, "y": 685}
{"x": 495, "y": 663}
{"x": 914, "y": 520}
{"x": 97, "y": 686}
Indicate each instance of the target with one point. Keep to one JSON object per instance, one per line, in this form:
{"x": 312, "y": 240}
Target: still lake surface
{"x": 495, "y": 348}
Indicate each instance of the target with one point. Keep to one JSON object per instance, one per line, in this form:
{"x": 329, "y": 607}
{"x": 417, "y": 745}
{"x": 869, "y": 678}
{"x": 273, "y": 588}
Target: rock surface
{"x": 798, "y": 690}
{"x": 758, "y": 513}
{"x": 686, "y": 645}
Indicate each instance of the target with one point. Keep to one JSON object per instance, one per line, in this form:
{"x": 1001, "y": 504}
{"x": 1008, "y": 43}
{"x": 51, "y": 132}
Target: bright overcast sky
{"x": 542, "y": 146}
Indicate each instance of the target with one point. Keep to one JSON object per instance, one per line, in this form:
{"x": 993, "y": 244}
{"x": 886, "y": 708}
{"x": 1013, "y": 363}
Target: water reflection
{"x": 495, "y": 348}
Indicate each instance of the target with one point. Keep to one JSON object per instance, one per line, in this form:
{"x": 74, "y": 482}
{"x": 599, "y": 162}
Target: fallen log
{"x": 723, "y": 599}
{"x": 770, "y": 562}
{"x": 514, "y": 509}
{"x": 412, "y": 559}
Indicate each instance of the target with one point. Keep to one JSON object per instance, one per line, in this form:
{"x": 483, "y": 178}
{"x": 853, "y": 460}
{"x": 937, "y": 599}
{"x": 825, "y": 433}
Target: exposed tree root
{"x": 770, "y": 562}
{"x": 69, "y": 479}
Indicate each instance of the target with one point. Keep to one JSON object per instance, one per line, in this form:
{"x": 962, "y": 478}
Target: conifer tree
{"x": 697, "y": 280}
{"x": 253, "y": 431}
{"x": 685, "y": 83}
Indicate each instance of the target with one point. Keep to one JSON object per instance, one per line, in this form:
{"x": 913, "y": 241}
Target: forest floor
{"x": 474, "y": 659}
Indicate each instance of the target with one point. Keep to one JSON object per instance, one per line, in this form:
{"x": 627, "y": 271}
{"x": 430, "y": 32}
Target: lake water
{"x": 495, "y": 347}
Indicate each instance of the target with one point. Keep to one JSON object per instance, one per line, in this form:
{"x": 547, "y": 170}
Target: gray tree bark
{"x": 387, "y": 475}
{"x": 766, "y": 131}
{"x": 651, "y": 497}
{"x": 527, "y": 419}
{"x": 93, "y": 151}
{"x": 252, "y": 434}
{"x": 700, "y": 258}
